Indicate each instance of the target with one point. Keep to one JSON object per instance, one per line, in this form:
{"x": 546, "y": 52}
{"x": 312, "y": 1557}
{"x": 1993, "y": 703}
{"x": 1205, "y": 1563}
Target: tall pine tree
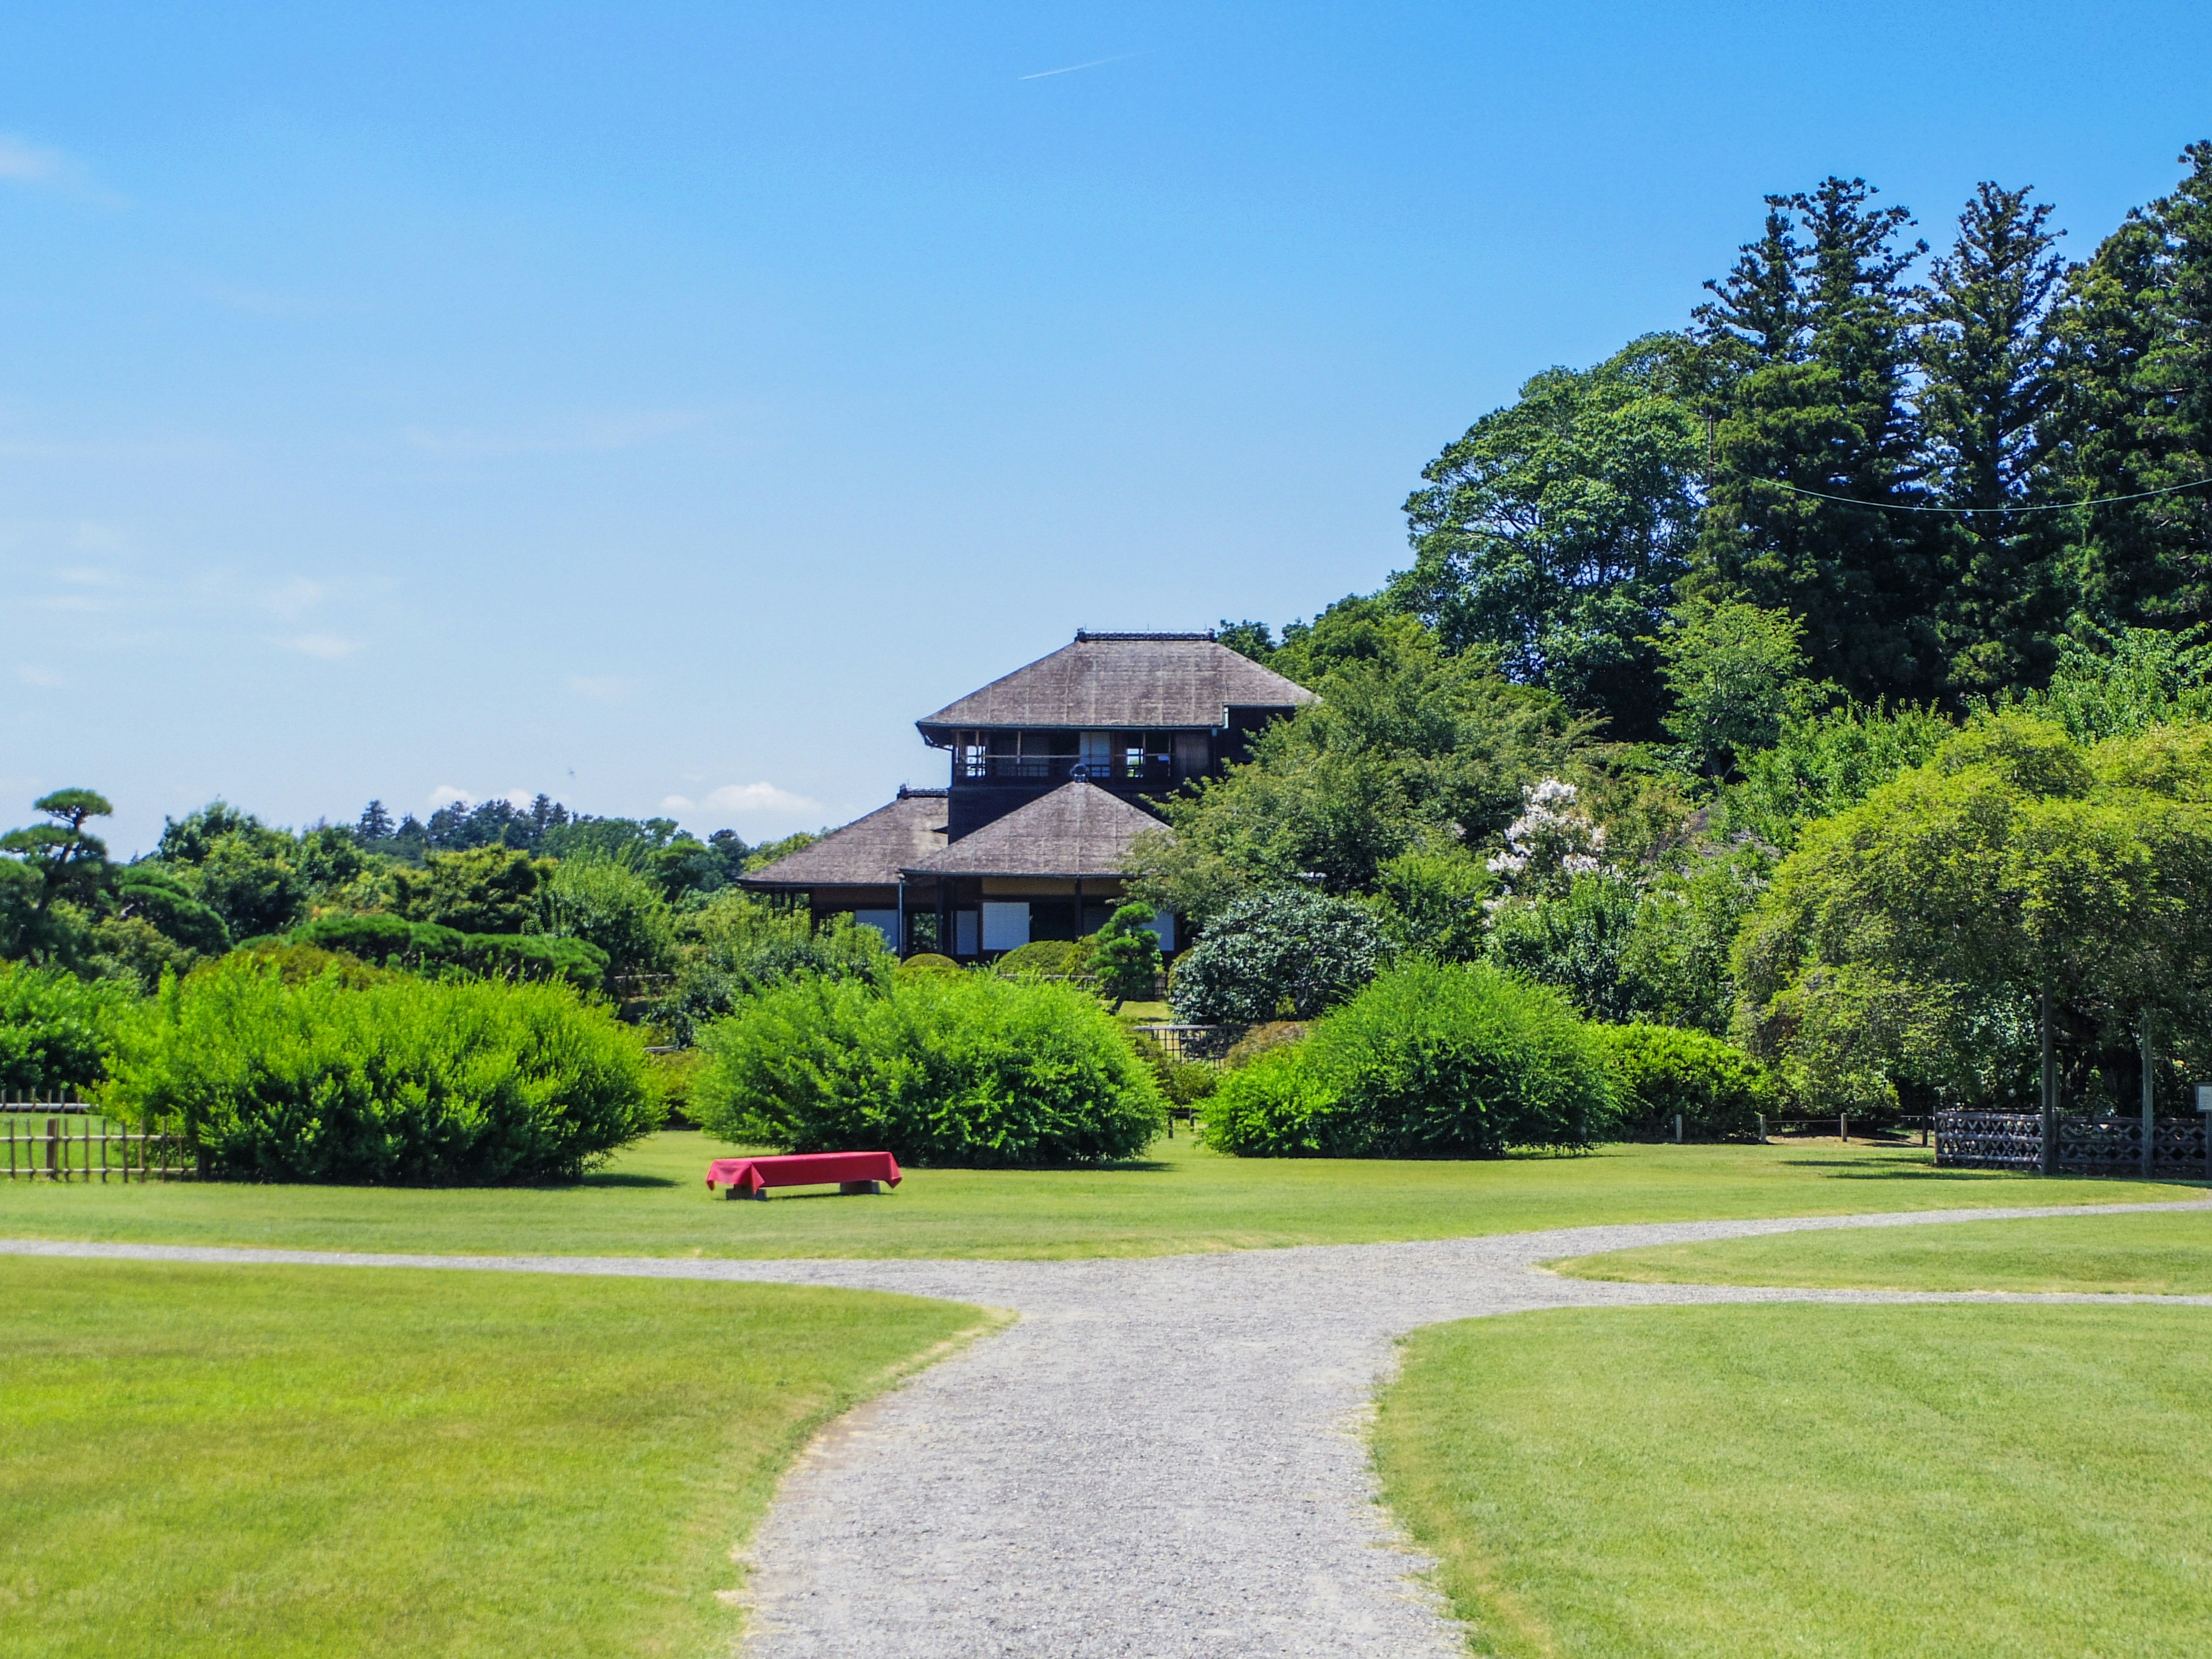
{"x": 1988, "y": 346}
{"x": 1815, "y": 441}
{"x": 2136, "y": 331}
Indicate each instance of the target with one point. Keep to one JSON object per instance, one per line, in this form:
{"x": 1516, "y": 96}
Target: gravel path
{"x": 1162, "y": 1457}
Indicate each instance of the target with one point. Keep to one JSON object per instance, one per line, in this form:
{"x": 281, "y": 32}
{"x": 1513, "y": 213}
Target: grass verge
{"x": 1675, "y": 1483}
{"x": 651, "y": 1202}
{"x": 2143, "y": 1254}
{"x": 279, "y": 1462}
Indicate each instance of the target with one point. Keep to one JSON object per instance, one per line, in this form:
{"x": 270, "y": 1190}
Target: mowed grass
{"x": 652, "y": 1201}
{"x": 1736, "y": 1482}
{"x": 280, "y": 1461}
{"x": 2143, "y": 1254}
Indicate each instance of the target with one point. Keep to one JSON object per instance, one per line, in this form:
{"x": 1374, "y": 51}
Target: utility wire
{"x": 2048, "y": 506}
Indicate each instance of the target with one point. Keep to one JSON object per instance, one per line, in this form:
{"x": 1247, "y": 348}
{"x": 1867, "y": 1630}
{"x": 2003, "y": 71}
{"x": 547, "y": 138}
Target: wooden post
{"x": 1844, "y": 1128}
{"x": 1762, "y": 1128}
{"x": 2049, "y": 1093}
{"x": 1678, "y": 1128}
{"x": 2149, "y": 1106}
{"x": 54, "y": 1145}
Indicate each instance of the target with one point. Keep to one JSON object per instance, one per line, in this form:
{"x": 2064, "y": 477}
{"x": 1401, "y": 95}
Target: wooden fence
{"x": 63, "y": 1140}
{"x": 2084, "y": 1145}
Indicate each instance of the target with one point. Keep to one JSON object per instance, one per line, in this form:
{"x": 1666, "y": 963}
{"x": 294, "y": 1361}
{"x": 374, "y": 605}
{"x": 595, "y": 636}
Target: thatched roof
{"x": 1078, "y": 831}
{"x": 868, "y": 852}
{"x": 1125, "y": 682}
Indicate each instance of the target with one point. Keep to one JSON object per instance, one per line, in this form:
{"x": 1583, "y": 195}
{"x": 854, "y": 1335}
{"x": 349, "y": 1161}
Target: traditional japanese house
{"x": 1055, "y": 768}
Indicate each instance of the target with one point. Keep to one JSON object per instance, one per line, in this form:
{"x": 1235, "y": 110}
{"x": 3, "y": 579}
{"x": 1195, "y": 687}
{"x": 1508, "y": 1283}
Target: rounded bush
{"x": 406, "y": 1081}
{"x": 1658, "y": 1070}
{"x": 1281, "y": 953}
{"x": 966, "y": 1070}
{"x": 1430, "y": 1061}
{"x": 928, "y": 961}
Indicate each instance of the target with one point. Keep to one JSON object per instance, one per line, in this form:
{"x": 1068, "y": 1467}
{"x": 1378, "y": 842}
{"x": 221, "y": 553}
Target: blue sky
{"x": 663, "y": 403}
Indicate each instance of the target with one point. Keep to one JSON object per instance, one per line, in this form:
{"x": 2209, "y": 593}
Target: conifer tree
{"x": 1812, "y": 330}
{"x": 2136, "y": 361}
{"x": 1988, "y": 349}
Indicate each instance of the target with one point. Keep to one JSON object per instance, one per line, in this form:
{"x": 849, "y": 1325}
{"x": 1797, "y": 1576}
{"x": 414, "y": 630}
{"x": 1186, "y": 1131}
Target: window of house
{"x": 1005, "y": 924}
{"x": 967, "y": 940}
{"x": 1097, "y": 753}
{"x": 885, "y": 922}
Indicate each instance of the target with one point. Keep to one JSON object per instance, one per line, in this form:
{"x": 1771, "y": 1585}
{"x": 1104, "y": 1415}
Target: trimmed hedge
{"x": 1430, "y": 1060}
{"x": 1658, "y": 1070}
{"x": 405, "y": 1082}
{"x": 426, "y": 947}
{"x": 967, "y": 1070}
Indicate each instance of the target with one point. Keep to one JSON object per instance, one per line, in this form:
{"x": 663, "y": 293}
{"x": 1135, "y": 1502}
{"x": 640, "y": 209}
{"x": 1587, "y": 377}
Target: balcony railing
{"x": 1059, "y": 768}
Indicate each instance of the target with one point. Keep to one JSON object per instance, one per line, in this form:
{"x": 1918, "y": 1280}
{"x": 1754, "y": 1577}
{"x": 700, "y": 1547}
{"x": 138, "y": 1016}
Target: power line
{"x": 2048, "y": 506}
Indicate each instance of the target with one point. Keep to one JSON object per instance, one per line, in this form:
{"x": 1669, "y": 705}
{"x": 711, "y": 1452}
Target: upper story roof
{"x": 868, "y": 852}
{"x": 1078, "y": 831}
{"x": 1126, "y": 682}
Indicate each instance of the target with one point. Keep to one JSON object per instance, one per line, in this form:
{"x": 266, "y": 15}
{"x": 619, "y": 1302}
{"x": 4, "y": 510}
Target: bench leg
{"x": 740, "y": 1192}
{"x": 850, "y": 1186}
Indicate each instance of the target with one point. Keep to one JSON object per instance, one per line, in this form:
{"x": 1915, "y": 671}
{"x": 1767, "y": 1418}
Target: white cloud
{"x": 23, "y": 163}
{"x": 34, "y": 676}
{"x": 746, "y": 800}
{"x": 446, "y": 795}
{"x": 330, "y": 647}
{"x": 295, "y": 598}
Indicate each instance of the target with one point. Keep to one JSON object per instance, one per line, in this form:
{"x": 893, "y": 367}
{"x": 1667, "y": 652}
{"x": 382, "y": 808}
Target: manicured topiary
{"x": 1659, "y": 1071}
{"x": 969, "y": 1069}
{"x": 1430, "y": 1061}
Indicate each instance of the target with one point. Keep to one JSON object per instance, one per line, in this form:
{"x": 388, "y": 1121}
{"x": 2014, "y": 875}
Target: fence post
{"x": 1762, "y": 1128}
{"x": 1678, "y": 1128}
{"x": 1844, "y": 1128}
{"x": 2149, "y": 1108}
{"x": 54, "y": 1145}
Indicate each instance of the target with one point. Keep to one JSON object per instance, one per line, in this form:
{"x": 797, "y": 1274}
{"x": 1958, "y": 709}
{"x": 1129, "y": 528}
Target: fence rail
{"x": 2083, "y": 1144}
{"x": 65, "y": 1139}
{"x": 1210, "y": 1043}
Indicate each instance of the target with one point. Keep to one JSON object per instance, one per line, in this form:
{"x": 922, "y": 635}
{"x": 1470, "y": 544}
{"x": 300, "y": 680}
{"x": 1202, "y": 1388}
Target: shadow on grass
{"x": 616, "y": 1178}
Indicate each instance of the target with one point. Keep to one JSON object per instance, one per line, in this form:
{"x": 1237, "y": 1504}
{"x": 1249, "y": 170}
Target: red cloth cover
{"x": 801, "y": 1169}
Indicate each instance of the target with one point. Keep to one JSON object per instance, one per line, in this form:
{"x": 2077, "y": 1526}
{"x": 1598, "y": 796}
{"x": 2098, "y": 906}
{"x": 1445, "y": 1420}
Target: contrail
{"x": 1118, "y": 59}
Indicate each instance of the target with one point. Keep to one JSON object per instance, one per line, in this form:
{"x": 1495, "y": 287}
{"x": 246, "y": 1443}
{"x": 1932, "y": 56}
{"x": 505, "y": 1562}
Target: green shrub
{"x": 607, "y": 904}
{"x": 1282, "y": 952}
{"x": 1264, "y": 1040}
{"x": 1184, "y": 1082}
{"x": 408, "y": 1081}
{"x": 747, "y": 949}
{"x": 928, "y": 961}
{"x": 1658, "y": 1070}
{"x": 1430, "y": 1061}
{"x": 1046, "y": 958}
{"x": 425, "y": 947}
{"x": 56, "y": 1028}
{"x": 968, "y": 1070}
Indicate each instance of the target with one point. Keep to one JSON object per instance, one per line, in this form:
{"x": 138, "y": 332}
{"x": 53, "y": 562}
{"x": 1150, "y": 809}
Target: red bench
{"x": 853, "y": 1172}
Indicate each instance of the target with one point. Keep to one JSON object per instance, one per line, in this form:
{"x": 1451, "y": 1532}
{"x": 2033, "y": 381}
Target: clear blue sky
{"x": 641, "y": 402}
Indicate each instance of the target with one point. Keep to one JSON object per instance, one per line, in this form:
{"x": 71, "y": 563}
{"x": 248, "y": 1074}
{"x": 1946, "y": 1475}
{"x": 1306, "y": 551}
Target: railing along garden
{"x": 2073, "y": 1143}
{"x": 69, "y": 1139}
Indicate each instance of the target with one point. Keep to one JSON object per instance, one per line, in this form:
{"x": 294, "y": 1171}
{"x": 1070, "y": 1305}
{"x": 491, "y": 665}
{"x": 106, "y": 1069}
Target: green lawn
{"x": 1852, "y": 1482}
{"x": 653, "y": 1202}
{"x": 2149, "y": 1255}
{"x": 216, "y": 1460}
